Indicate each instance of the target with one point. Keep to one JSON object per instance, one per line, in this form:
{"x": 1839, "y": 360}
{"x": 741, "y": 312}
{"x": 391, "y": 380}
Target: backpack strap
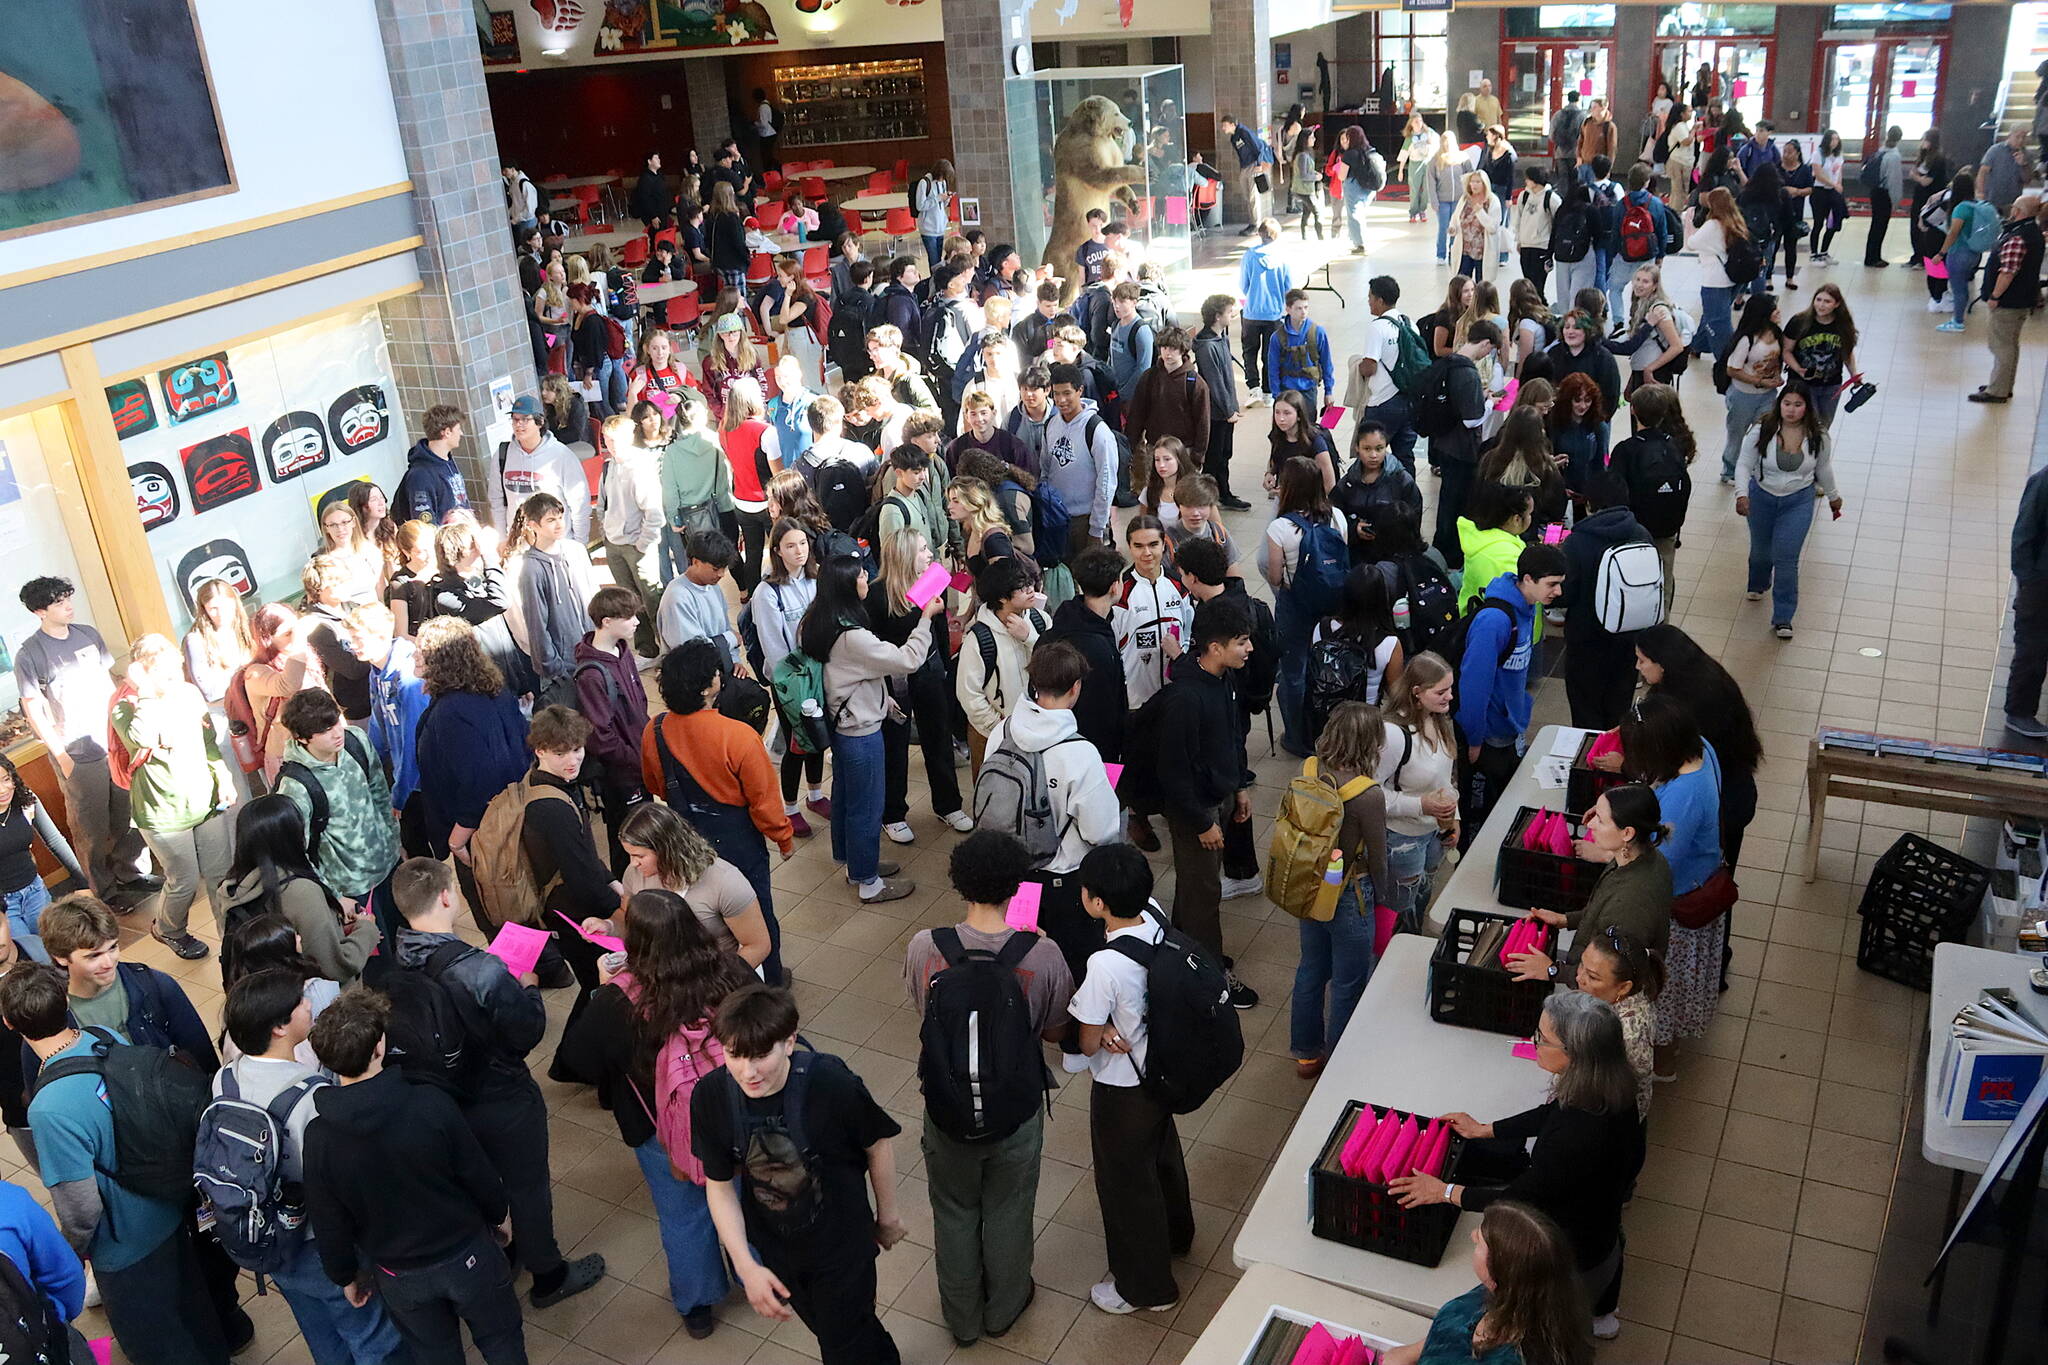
{"x": 283, "y": 1103}
{"x": 985, "y": 639}
{"x": 1016, "y": 948}
{"x": 316, "y": 801}
{"x": 88, "y": 1064}
{"x": 947, "y": 941}
{"x": 1407, "y": 747}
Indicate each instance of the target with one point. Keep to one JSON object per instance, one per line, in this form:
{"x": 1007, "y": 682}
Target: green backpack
{"x": 799, "y": 687}
{"x": 1411, "y": 357}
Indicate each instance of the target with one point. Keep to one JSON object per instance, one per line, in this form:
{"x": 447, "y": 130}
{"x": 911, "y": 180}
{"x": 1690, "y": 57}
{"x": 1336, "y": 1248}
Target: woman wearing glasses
{"x": 1634, "y": 895}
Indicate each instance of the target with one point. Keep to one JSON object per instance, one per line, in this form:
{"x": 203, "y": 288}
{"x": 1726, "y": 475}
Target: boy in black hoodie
{"x": 396, "y": 1182}
{"x": 1599, "y": 667}
{"x": 1084, "y": 622}
{"x": 1205, "y": 567}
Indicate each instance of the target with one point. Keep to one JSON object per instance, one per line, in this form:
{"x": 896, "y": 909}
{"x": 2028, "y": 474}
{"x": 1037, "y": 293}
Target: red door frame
{"x": 1769, "y": 41}
{"x": 1886, "y": 44}
{"x": 1556, "y": 95}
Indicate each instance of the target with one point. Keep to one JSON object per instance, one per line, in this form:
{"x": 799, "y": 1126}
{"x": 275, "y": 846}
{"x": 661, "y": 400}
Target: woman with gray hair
{"x": 1588, "y": 1148}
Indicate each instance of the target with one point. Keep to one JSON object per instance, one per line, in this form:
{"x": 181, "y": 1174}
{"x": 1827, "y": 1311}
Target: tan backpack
{"x": 1311, "y": 816}
{"x": 497, "y": 853}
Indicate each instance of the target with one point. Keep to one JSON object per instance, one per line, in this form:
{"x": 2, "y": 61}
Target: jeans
{"x": 1443, "y": 229}
{"x": 1535, "y": 265}
{"x": 1293, "y": 625}
{"x": 1778, "y": 524}
{"x": 1412, "y": 861}
{"x": 473, "y": 1286}
{"x": 108, "y": 845}
{"x": 1356, "y": 202}
{"x": 639, "y": 574}
{"x": 1451, "y": 494}
{"x": 1335, "y": 955}
{"x": 1615, "y": 276}
{"x": 163, "y": 1309}
{"x": 1743, "y": 411}
{"x": 1825, "y": 399}
{"x": 934, "y": 247}
{"x": 982, "y": 1194}
{"x": 611, "y": 383}
{"x": 336, "y": 1332}
{"x": 1309, "y": 206}
{"x": 696, "y": 1267}
{"x": 24, "y": 913}
{"x": 859, "y": 768}
{"x": 1471, "y": 267}
{"x": 1717, "y": 320}
{"x": 511, "y": 1124}
{"x": 1962, "y": 268}
{"x": 1572, "y": 276}
{"x": 1397, "y": 415}
{"x": 2029, "y": 648}
{"x": 203, "y": 853}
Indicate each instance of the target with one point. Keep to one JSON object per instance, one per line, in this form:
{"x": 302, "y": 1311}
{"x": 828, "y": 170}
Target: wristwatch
{"x": 1552, "y": 972}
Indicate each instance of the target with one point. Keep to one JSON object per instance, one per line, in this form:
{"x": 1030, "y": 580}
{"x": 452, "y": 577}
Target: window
{"x": 1417, "y": 47}
{"x": 1526, "y": 22}
{"x": 1863, "y": 16}
{"x": 1711, "y": 19}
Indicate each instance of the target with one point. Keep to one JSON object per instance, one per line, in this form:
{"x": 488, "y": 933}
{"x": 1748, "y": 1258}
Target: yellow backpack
{"x": 1311, "y": 816}
{"x": 505, "y": 879}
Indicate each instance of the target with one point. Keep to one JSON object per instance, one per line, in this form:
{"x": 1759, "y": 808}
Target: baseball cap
{"x": 729, "y": 323}
{"x": 526, "y": 405}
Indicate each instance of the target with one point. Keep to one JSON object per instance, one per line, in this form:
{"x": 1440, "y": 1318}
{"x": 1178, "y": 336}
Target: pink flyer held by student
{"x": 518, "y": 947}
{"x": 929, "y": 584}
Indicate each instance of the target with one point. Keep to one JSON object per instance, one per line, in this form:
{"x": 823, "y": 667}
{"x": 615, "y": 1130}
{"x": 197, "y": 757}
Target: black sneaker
{"x": 1242, "y": 997}
{"x": 184, "y": 945}
{"x": 699, "y": 1322}
{"x": 578, "y": 1275}
{"x": 1233, "y": 503}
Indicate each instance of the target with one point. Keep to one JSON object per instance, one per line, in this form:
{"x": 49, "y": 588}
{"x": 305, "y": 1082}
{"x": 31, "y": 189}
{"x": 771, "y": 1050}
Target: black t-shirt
{"x": 828, "y": 1200}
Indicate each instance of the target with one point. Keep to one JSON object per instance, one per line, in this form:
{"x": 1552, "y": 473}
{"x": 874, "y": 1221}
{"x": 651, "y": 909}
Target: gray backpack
{"x": 1013, "y": 795}
{"x": 237, "y": 1165}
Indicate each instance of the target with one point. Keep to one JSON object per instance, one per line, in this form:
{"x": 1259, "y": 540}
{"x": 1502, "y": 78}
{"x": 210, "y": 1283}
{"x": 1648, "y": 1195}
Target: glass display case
{"x": 1113, "y": 137}
{"x": 852, "y": 102}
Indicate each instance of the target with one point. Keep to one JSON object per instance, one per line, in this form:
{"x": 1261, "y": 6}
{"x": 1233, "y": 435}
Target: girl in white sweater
{"x": 1417, "y": 766}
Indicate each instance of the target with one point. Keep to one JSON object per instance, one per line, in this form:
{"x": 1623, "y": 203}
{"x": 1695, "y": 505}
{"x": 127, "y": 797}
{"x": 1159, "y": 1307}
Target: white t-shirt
{"x": 1383, "y": 337}
{"x": 1287, "y": 536}
{"x": 1113, "y": 992}
{"x": 1739, "y": 358}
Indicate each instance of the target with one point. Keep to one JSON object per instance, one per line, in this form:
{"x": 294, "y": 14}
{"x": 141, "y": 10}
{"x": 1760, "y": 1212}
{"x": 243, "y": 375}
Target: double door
{"x": 1535, "y": 76}
{"x": 1741, "y": 67}
{"x": 1867, "y": 86}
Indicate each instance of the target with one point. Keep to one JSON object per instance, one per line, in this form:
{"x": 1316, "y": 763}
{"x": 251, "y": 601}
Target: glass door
{"x": 1912, "y": 82}
{"x": 1741, "y": 71}
{"x": 1537, "y": 75}
{"x": 1848, "y": 87}
{"x": 1867, "y": 87}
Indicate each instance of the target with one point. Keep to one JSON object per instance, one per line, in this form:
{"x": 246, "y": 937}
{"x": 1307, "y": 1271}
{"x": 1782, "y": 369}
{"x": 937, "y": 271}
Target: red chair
{"x": 761, "y": 269}
{"x": 853, "y": 223}
{"x": 953, "y": 209}
{"x": 634, "y": 253}
{"x": 668, "y": 235}
{"x": 880, "y": 183}
{"x": 587, "y": 197}
{"x": 903, "y": 172}
{"x": 684, "y": 310}
{"x": 817, "y": 266}
{"x": 899, "y": 223}
{"x": 795, "y": 167}
{"x": 771, "y": 181}
{"x": 813, "y": 187}
{"x": 825, "y": 165}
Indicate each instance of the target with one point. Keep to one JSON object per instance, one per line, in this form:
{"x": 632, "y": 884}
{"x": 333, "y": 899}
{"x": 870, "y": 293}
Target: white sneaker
{"x": 1105, "y": 1297}
{"x": 900, "y": 832}
{"x": 1606, "y": 1328}
{"x": 1754, "y": 596}
{"x": 1937, "y": 305}
{"x": 961, "y": 821}
{"x": 92, "y": 1289}
{"x": 1236, "y": 887}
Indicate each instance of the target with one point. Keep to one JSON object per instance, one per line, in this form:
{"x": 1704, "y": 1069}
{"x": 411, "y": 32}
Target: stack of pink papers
{"x": 1385, "y": 1145}
{"x": 1549, "y": 831}
{"x": 1604, "y": 743}
{"x": 1527, "y": 936}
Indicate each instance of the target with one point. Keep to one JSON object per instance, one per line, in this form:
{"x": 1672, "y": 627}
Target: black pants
{"x": 1880, "y": 219}
{"x": 796, "y": 765}
{"x": 474, "y": 1286}
{"x": 174, "y": 1307}
{"x": 1480, "y": 785}
{"x": 1240, "y": 852}
{"x": 1216, "y": 460}
{"x": 1141, "y": 1180}
{"x": 2029, "y": 648}
{"x": 617, "y": 793}
{"x": 1790, "y": 230}
{"x": 1073, "y": 930}
{"x": 1536, "y": 266}
{"x": 1450, "y": 505}
{"x": 1599, "y": 679}
{"x": 931, "y": 707}
{"x": 1309, "y": 206}
{"x": 511, "y": 1123}
{"x": 752, "y": 543}
{"x": 1255, "y": 332}
{"x": 835, "y": 1298}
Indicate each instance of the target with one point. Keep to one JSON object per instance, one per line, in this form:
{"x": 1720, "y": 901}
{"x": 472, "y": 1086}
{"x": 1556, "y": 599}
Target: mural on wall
{"x": 156, "y": 494}
{"x": 198, "y": 387}
{"x": 294, "y": 444}
{"x": 107, "y": 108}
{"x": 637, "y": 27}
{"x": 359, "y": 418}
{"x": 133, "y": 409}
{"x": 497, "y": 34}
{"x": 220, "y": 469}
{"x": 215, "y": 559}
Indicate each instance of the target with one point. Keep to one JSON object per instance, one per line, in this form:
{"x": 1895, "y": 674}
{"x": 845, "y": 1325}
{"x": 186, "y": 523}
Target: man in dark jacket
{"x": 1084, "y": 622}
{"x": 555, "y": 837}
{"x": 505, "y": 1017}
{"x": 432, "y": 488}
{"x": 1169, "y": 399}
{"x": 1599, "y": 667}
{"x": 2029, "y": 610}
{"x": 1254, "y": 160}
{"x": 1372, "y": 488}
{"x": 900, "y": 308}
{"x": 1035, "y": 329}
{"x": 396, "y": 1182}
{"x": 1213, "y": 361}
{"x": 1454, "y": 442}
{"x": 1203, "y": 777}
{"x": 612, "y": 698}
{"x": 1205, "y": 570}
{"x": 651, "y": 201}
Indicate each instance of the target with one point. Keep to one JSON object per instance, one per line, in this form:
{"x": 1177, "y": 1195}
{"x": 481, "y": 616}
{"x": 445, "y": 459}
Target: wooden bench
{"x": 1917, "y": 780}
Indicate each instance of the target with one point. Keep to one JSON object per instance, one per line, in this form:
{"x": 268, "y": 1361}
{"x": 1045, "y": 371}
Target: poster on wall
{"x": 220, "y": 469}
{"x": 358, "y": 418}
{"x": 133, "y": 410}
{"x": 156, "y": 494}
{"x": 497, "y": 35}
{"x": 198, "y": 387}
{"x": 108, "y": 108}
{"x": 294, "y": 444}
{"x": 631, "y": 28}
{"x": 215, "y": 559}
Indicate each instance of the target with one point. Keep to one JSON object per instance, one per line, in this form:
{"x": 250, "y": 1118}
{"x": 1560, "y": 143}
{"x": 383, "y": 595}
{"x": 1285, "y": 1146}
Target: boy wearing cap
{"x": 533, "y": 461}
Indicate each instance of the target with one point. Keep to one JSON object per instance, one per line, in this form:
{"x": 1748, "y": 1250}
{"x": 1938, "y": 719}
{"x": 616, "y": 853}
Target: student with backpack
{"x": 502, "y": 1019}
{"x": 52, "y": 1276}
{"x": 1779, "y": 473}
{"x": 339, "y": 788}
{"x": 1450, "y": 410}
{"x": 1156, "y": 613}
{"x": 1356, "y": 651}
{"x": 1973, "y": 228}
{"x": 788, "y": 1139}
{"x": 1728, "y": 261}
{"x": 1305, "y": 560}
{"x": 988, "y": 994}
{"x": 1752, "y": 366}
{"x": 1090, "y": 621}
{"x": 249, "y": 1160}
{"x": 696, "y": 480}
{"x": 1298, "y": 356}
{"x": 1209, "y": 575}
{"x": 925, "y": 704}
{"x": 610, "y": 695}
{"x": 1610, "y": 593}
{"x": 272, "y": 876}
{"x": 645, "y": 1042}
{"x": 116, "y": 1156}
{"x": 1327, "y": 868}
{"x": 471, "y": 745}
{"x": 1493, "y": 678}
{"x": 1658, "y": 333}
{"x": 1656, "y": 466}
{"x": 400, "y": 1194}
{"x": 1378, "y": 383}
{"x": 994, "y": 651}
{"x": 145, "y": 1006}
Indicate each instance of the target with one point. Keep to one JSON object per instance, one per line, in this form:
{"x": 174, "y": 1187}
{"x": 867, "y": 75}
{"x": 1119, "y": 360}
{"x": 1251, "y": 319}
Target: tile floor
{"x": 1766, "y": 1191}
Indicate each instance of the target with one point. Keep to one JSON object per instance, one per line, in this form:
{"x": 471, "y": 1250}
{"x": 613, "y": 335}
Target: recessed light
{"x": 1871, "y": 652}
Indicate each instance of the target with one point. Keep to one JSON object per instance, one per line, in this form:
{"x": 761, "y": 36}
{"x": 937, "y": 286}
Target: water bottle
{"x": 812, "y": 710}
{"x": 1325, "y": 907}
{"x": 1401, "y": 613}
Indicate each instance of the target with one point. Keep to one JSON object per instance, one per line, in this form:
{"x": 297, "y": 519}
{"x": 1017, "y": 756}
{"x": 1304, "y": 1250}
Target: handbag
{"x": 1262, "y": 183}
{"x": 1707, "y": 902}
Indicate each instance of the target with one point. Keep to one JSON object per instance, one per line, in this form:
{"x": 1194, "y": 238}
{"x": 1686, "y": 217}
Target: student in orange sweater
{"x": 715, "y": 772}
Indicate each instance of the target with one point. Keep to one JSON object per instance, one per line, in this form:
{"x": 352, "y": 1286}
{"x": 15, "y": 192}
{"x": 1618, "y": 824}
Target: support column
{"x": 1241, "y": 51}
{"x": 467, "y": 324}
{"x": 710, "y": 104}
{"x": 1635, "y": 29}
{"x": 994, "y": 125}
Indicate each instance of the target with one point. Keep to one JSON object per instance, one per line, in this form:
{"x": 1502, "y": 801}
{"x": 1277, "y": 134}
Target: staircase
{"x": 2018, "y": 109}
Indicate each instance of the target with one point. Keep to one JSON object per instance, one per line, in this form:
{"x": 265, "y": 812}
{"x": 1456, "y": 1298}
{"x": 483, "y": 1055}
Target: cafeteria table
{"x": 837, "y": 172}
{"x": 615, "y": 236}
{"x": 1266, "y": 1291}
{"x": 1392, "y": 1053}
{"x": 668, "y": 289}
{"x": 576, "y": 182}
{"x": 877, "y": 203}
{"x": 1471, "y": 884}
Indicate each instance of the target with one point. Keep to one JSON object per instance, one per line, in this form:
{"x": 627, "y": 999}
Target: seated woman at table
{"x": 1525, "y": 1310}
{"x": 1620, "y": 970}
{"x": 1588, "y": 1149}
{"x": 1623, "y": 831}
{"x": 1662, "y": 746}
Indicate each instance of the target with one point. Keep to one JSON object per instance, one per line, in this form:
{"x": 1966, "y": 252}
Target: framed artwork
{"x": 220, "y": 469}
{"x": 214, "y": 559}
{"x": 156, "y": 494}
{"x": 109, "y": 109}
{"x": 198, "y": 387}
{"x": 294, "y": 444}
{"x": 133, "y": 409}
{"x": 359, "y": 418}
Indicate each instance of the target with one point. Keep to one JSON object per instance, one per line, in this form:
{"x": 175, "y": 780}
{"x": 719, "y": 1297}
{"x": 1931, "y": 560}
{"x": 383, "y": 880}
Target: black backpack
{"x": 846, "y": 337}
{"x": 1255, "y": 680}
{"x": 1650, "y": 463}
{"x": 867, "y": 528}
{"x": 1454, "y": 641}
{"x": 316, "y": 795}
{"x": 31, "y": 1332}
{"x": 156, "y": 1096}
{"x": 842, "y": 492}
{"x": 1339, "y": 670}
{"x": 1193, "y": 1040}
{"x": 1436, "y": 411}
{"x": 1571, "y": 231}
{"x": 1743, "y": 262}
{"x": 1432, "y": 616}
{"x": 429, "y": 1037}
{"x": 782, "y": 1183}
{"x": 1723, "y": 381}
{"x": 979, "y": 1062}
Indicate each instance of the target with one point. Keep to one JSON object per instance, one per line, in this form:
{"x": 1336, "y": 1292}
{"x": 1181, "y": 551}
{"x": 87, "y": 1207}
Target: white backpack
{"x": 1628, "y": 589}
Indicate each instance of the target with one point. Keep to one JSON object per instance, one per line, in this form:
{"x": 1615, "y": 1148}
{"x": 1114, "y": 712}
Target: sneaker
{"x": 1984, "y": 396}
{"x": 1728, "y": 481}
{"x": 700, "y": 1323}
{"x": 1257, "y": 399}
{"x": 1242, "y": 997}
{"x": 1879, "y": 265}
{"x": 581, "y": 1274}
{"x": 900, "y": 833}
{"x": 92, "y": 1289}
{"x": 820, "y": 806}
{"x": 1791, "y": 284}
{"x": 1233, "y": 503}
{"x": 960, "y": 820}
{"x": 1105, "y": 1297}
{"x": 1142, "y": 836}
{"x": 2026, "y": 727}
{"x": 1754, "y": 596}
{"x": 184, "y": 945}
{"x": 1937, "y": 306}
{"x": 1236, "y": 887}
{"x": 1606, "y": 1328}
{"x": 799, "y": 824}
{"x": 1358, "y": 251}
{"x": 1950, "y": 326}
{"x": 891, "y": 891}
{"x": 1783, "y": 632}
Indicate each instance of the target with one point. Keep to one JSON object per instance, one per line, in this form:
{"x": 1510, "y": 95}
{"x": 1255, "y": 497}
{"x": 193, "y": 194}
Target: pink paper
{"x": 1907, "y": 88}
{"x": 1585, "y": 88}
{"x": 1333, "y": 415}
{"x": 604, "y": 941}
{"x": 1532, "y": 833}
{"x": 929, "y": 584}
{"x": 664, "y": 402}
{"x": 1023, "y": 909}
{"x": 1349, "y": 1159}
{"x": 1177, "y": 210}
{"x": 1561, "y": 836}
{"x": 102, "y": 1349}
{"x": 1432, "y": 1162}
{"x": 1741, "y": 88}
{"x": 1317, "y": 1348}
{"x": 1384, "y": 923}
{"x": 1604, "y": 743}
{"x": 1553, "y": 534}
{"x": 1115, "y": 771}
{"x": 1506, "y": 402}
{"x": 1353, "y": 1351}
{"x": 1397, "y": 1162}
{"x": 1525, "y": 1049}
{"x": 1937, "y": 268}
{"x": 1383, "y": 1146}
{"x": 518, "y": 947}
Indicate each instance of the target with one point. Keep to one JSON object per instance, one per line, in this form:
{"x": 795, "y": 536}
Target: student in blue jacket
{"x": 1493, "y": 678}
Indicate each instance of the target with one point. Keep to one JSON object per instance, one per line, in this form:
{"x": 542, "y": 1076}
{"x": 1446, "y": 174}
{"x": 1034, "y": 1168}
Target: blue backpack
{"x": 1984, "y": 227}
{"x": 1320, "y": 569}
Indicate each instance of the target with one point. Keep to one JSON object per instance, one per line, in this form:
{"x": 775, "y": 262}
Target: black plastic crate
{"x": 1919, "y": 895}
{"x": 1361, "y": 1214}
{"x": 1584, "y": 782}
{"x": 1480, "y": 996}
{"x": 1553, "y": 881}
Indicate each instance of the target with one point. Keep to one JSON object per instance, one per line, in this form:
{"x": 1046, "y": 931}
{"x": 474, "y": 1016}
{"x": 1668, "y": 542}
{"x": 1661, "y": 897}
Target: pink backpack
{"x": 685, "y": 1059}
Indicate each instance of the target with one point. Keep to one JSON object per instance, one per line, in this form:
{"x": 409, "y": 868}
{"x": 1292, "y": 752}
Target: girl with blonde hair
{"x": 410, "y": 592}
{"x": 1653, "y": 340}
{"x": 1418, "y": 765}
{"x": 905, "y": 556}
{"x": 342, "y": 539}
{"x": 984, "y": 530}
{"x": 216, "y": 649}
{"x": 1478, "y": 227}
